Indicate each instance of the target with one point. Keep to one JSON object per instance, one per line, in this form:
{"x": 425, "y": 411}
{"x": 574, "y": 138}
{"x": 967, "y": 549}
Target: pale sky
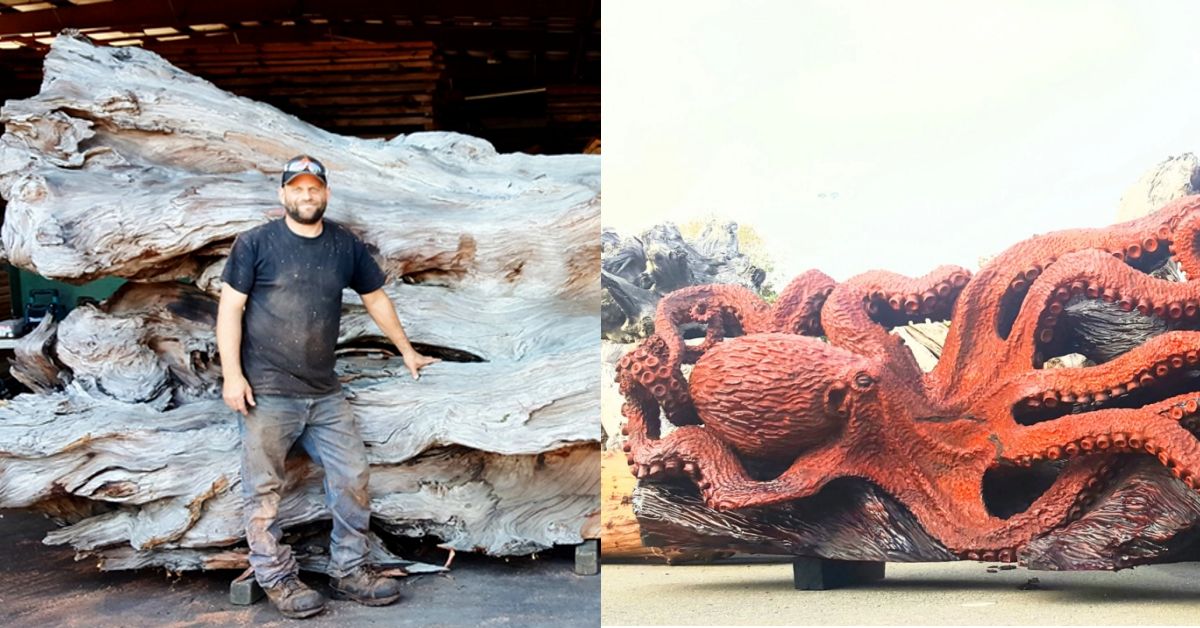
{"x": 891, "y": 135}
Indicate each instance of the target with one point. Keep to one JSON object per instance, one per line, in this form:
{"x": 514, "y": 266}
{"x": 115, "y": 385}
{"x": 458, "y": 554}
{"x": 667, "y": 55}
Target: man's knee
{"x": 354, "y": 476}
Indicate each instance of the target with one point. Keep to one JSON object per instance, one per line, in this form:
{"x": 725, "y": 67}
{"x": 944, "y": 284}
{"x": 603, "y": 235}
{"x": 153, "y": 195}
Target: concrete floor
{"x": 927, "y": 593}
{"x": 44, "y": 586}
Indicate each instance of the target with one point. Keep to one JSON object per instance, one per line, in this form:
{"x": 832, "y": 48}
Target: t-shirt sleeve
{"x": 367, "y": 276}
{"x": 239, "y": 268}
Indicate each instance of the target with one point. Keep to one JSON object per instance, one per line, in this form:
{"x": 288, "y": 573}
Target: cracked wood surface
{"x": 126, "y": 166}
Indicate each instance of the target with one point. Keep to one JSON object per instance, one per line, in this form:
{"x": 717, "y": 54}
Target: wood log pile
{"x": 349, "y": 87}
{"x": 574, "y": 112}
{"x": 126, "y": 166}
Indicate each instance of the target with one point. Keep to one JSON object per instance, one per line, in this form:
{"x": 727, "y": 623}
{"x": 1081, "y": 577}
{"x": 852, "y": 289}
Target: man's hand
{"x": 237, "y": 394}
{"x": 383, "y": 312}
{"x": 415, "y": 362}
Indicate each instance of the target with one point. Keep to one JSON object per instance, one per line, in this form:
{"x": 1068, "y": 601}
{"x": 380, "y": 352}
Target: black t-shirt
{"x": 294, "y": 309}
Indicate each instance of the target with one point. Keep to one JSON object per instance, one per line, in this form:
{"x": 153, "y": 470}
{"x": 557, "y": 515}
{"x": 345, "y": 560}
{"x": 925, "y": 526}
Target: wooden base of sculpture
{"x": 820, "y": 574}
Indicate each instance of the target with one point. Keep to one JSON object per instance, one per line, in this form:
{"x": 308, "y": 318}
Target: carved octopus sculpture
{"x": 772, "y": 413}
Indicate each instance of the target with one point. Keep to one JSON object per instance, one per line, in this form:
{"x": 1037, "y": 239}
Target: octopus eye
{"x": 862, "y": 380}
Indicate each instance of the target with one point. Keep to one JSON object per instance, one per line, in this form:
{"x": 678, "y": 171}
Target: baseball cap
{"x": 303, "y": 164}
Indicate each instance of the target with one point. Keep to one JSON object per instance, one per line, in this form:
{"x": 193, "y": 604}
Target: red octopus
{"x": 772, "y": 413}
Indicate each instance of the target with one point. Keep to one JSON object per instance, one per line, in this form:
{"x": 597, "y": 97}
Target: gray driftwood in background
{"x": 126, "y": 166}
{"x": 637, "y": 271}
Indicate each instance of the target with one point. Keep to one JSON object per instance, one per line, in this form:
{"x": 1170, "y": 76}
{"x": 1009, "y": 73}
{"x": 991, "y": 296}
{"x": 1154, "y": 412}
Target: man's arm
{"x": 383, "y": 312}
{"x": 236, "y": 390}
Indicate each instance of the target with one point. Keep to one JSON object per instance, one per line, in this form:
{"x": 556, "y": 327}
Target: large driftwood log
{"x": 35, "y": 366}
{"x": 126, "y": 166}
{"x": 637, "y": 271}
{"x": 1174, "y": 177}
{"x": 851, "y": 521}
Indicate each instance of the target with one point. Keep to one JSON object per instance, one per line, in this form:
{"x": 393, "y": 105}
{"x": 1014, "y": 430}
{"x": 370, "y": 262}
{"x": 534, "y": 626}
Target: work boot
{"x": 366, "y": 587}
{"x": 295, "y": 599}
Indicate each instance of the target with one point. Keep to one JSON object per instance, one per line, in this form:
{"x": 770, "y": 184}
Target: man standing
{"x": 278, "y": 365}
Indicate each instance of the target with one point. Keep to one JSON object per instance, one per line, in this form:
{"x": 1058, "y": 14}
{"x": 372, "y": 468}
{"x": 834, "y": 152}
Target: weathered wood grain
{"x": 126, "y": 166}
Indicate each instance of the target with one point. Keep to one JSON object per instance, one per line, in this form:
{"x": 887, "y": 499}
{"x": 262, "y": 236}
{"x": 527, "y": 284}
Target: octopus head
{"x": 770, "y": 396}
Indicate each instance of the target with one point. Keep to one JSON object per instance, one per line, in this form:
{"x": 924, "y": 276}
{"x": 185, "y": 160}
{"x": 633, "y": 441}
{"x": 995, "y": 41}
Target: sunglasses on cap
{"x": 303, "y": 164}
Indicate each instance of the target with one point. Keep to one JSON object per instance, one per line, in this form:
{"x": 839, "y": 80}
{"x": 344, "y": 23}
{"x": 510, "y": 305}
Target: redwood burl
{"x": 992, "y": 455}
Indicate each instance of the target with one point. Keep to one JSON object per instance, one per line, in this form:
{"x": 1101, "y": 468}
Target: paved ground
{"x": 950, "y": 593}
{"x": 44, "y": 586}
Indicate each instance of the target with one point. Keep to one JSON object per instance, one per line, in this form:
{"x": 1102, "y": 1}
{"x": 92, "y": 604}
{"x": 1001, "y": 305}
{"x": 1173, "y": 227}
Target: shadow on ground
{"x": 45, "y": 586}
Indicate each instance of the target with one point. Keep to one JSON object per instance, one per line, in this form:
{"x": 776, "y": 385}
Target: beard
{"x": 295, "y": 213}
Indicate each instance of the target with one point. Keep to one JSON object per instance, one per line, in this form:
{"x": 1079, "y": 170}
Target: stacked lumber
{"x": 573, "y": 111}
{"x": 572, "y": 104}
{"x": 358, "y": 88}
{"x": 20, "y": 73}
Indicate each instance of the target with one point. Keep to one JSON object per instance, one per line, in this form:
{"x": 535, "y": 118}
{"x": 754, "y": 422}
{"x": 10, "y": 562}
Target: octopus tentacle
{"x": 798, "y": 308}
{"x": 654, "y": 367}
{"x": 807, "y": 475}
{"x": 692, "y": 451}
{"x": 1092, "y": 274}
{"x": 709, "y": 304}
{"x": 1139, "y": 243}
{"x": 1142, "y": 430}
{"x": 857, "y": 311}
{"x": 657, "y": 364}
{"x": 1186, "y": 244}
{"x": 1077, "y": 484}
{"x": 1171, "y": 354}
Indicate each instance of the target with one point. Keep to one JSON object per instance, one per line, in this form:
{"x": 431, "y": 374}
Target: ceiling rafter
{"x": 121, "y": 14}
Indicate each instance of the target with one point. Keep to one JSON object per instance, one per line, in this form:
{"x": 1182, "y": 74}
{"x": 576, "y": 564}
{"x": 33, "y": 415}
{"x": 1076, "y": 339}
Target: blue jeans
{"x": 325, "y": 428}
